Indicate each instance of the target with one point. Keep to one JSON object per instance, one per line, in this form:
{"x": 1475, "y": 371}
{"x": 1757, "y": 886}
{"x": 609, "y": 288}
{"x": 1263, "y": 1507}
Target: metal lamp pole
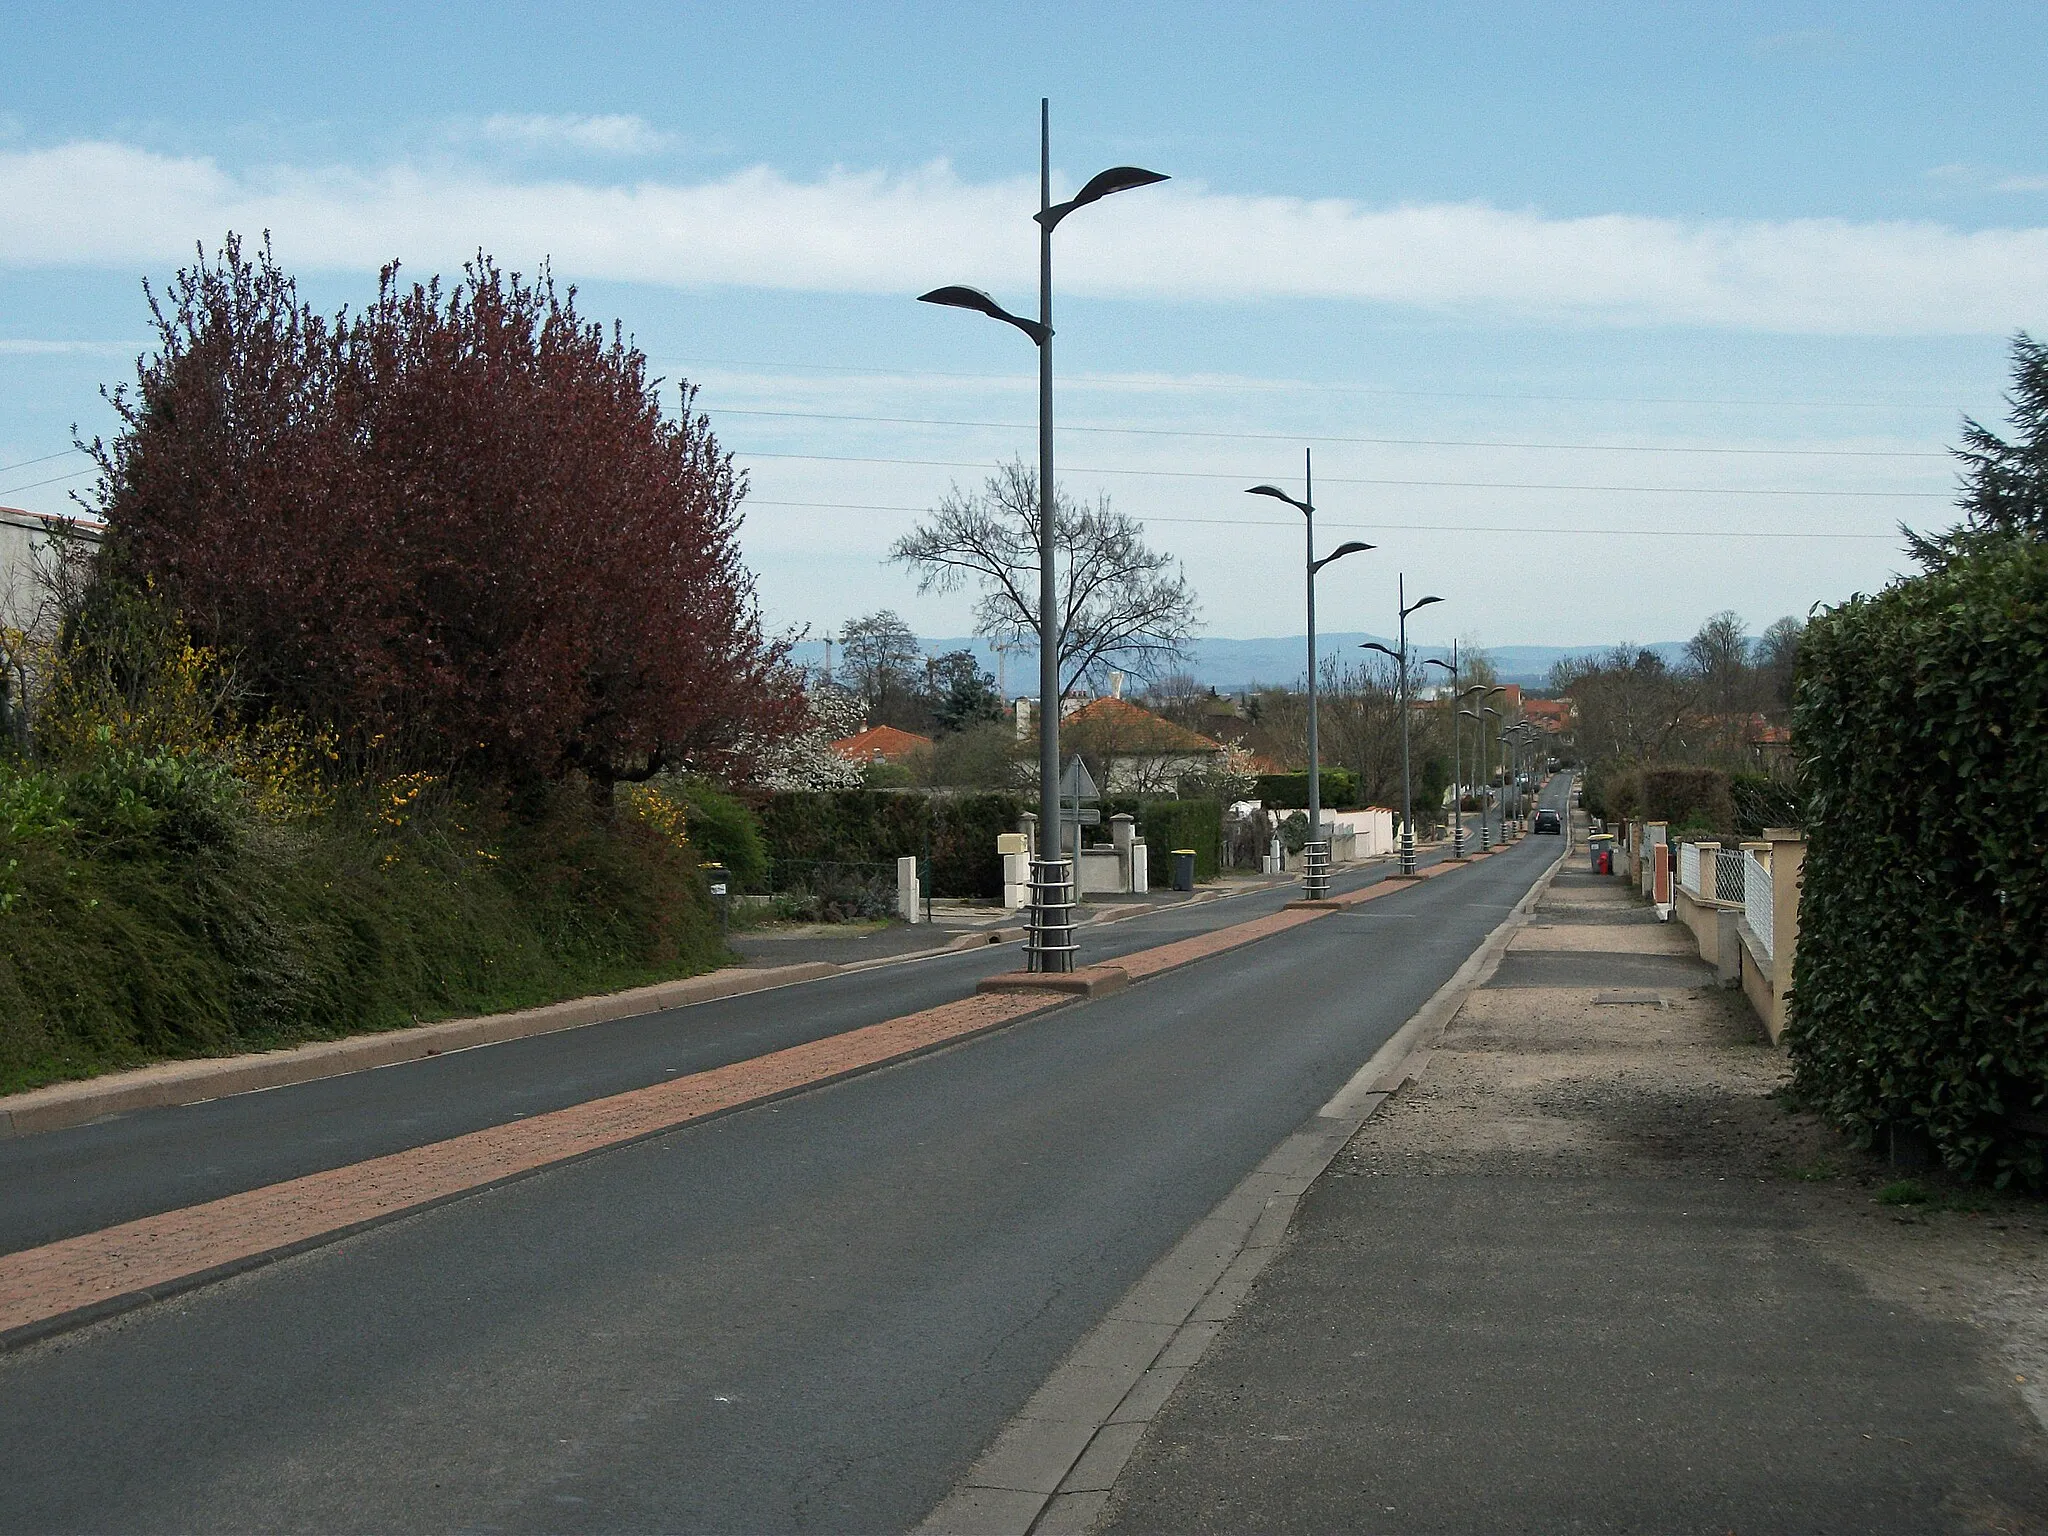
{"x": 1401, "y": 662}
{"x": 1052, "y": 944}
{"x": 1486, "y": 742}
{"x": 1315, "y": 881}
{"x": 1457, "y": 793}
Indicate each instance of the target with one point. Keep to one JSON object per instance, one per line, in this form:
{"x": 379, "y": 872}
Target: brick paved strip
{"x": 62, "y": 1284}
{"x": 1150, "y": 962}
{"x": 43, "y": 1290}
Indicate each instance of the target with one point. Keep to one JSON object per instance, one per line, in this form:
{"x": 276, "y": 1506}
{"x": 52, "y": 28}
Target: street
{"x": 812, "y": 1314}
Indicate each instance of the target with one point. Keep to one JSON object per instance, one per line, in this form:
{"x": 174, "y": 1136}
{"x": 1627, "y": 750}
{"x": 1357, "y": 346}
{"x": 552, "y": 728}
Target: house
{"x": 39, "y": 553}
{"x": 1132, "y": 751}
{"x": 881, "y": 744}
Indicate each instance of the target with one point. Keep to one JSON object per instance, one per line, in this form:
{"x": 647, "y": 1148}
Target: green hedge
{"x": 1169, "y": 824}
{"x": 145, "y": 914}
{"x": 862, "y": 826}
{"x": 1920, "y": 997}
{"x": 1289, "y": 791}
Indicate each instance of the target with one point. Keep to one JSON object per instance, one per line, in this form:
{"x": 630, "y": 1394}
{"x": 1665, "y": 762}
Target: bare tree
{"x": 1632, "y": 707}
{"x": 1777, "y": 658}
{"x": 884, "y": 663}
{"x": 1122, "y": 604}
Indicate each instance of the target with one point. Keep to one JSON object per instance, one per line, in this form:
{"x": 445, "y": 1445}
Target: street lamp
{"x": 1457, "y": 789}
{"x": 1524, "y": 735}
{"x": 1315, "y": 874}
{"x": 1401, "y": 660}
{"x": 1486, "y": 743}
{"x": 1052, "y": 902}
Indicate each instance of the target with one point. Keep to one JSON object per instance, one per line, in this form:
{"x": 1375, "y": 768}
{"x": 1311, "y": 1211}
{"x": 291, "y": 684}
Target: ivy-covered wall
{"x": 1920, "y": 991}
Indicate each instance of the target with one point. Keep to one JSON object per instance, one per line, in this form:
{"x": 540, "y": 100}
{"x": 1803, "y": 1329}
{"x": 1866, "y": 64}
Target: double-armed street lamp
{"x": 1315, "y": 875}
{"x": 1052, "y": 931}
{"x": 1401, "y": 667}
{"x": 1524, "y": 737}
{"x": 1457, "y": 788}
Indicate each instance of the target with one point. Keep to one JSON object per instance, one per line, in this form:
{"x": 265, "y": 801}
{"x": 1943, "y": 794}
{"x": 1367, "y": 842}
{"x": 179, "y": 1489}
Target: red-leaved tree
{"x": 455, "y": 527}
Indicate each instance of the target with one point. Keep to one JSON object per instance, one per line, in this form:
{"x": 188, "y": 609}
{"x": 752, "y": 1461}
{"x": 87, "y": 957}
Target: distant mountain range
{"x": 1229, "y": 665}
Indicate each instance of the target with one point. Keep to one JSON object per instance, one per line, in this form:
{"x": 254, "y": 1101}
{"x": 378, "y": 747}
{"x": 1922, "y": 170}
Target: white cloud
{"x": 602, "y": 134}
{"x": 111, "y": 204}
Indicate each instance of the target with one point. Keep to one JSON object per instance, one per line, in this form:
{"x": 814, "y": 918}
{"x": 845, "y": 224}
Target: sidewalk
{"x": 1585, "y": 1273}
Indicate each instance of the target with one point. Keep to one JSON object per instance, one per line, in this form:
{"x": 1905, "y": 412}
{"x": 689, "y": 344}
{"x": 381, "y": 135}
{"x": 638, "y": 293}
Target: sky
{"x": 1598, "y": 319}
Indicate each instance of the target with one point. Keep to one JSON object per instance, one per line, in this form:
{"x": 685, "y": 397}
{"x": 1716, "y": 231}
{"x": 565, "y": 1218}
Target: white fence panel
{"x": 1689, "y": 867}
{"x": 1757, "y": 901}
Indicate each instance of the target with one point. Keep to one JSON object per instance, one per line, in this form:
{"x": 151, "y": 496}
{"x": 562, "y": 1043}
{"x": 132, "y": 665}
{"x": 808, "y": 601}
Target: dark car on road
{"x": 1550, "y": 821}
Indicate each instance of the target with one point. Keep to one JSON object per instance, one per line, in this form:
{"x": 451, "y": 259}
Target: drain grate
{"x": 1628, "y": 999}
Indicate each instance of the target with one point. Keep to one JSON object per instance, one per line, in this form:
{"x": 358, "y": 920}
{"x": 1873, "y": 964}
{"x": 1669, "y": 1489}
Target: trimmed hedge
{"x": 1920, "y": 999}
{"x": 1169, "y": 824}
{"x": 1289, "y": 791}
{"x": 863, "y": 826}
{"x": 146, "y": 914}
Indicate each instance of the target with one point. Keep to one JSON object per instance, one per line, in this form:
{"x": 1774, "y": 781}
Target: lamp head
{"x": 1431, "y": 661}
{"x": 956, "y": 297}
{"x": 1277, "y": 494}
{"x": 1118, "y": 178}
{"x": 1420, "y": 602}
{"x": 1353, "y": 547}
{"x": 1374, "y": 645}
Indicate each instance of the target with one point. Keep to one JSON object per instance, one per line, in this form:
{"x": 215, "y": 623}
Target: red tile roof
{"x": 1128, "y": 729}
{"x": 880, "y": 744}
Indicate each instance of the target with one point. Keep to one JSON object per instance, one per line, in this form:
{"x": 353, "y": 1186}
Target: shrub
{"x": 131, "y": 929}
{"x": 859, "y": 826}
{"x": 1167, "y": 825}
{"x": 1687, "y": 796}
{"x": 1288, "y": 791}
{"x": 1920, "y": 999}
{"x": 723, "y": 830}
{"x": 1762, "y": 801}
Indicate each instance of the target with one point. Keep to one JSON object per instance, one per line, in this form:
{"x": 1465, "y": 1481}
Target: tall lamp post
{"x": 1315, "y": 874}
{"x": 1478, "y": 730}
{"x": 1401, "y": 663}
{"x": 1457, "y": 791}
{"x": 1486, "y": 742}
{"x": 1052, "y": 930}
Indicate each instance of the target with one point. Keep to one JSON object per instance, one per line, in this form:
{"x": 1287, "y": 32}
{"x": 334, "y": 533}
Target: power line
{"x": 1302, "y": 386}
{"x": 35, "y": 485}
{"x": 1260, "y": 522}
{"x": 1309, "y": 437}
{"x": 1474, "y": 485}
{"x": 8, "y": 469}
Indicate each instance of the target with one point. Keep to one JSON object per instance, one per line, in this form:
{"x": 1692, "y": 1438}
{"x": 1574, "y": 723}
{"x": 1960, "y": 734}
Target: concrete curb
{"x": 1051, "y": 1467}
{"x": 1083, "y": 981}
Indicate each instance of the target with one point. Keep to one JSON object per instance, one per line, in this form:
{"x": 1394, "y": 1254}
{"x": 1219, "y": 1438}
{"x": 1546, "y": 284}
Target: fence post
{"x": 1788, "y": 858}
{"x": 908, "y": 907}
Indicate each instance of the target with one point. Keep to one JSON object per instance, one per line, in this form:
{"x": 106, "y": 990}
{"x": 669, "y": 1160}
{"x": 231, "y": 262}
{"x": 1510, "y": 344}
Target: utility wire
{"x": 8, "y": 469}
{"x": 1309, "y": 437}
{"x": 34, "y": 485}
{"x": 1476, "y": 485}
{"x": 1298, "y": 386}
{"x": 1260, "y": 522}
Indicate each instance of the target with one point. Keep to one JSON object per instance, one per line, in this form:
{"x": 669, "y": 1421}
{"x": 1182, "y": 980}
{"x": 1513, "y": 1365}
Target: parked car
{"x": 1550, "y": 821}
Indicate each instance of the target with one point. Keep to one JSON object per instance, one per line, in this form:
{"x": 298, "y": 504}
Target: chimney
{"x": 1116, "y": 685}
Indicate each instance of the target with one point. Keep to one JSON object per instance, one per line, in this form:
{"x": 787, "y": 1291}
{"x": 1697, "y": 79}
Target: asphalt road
{"x": 808, "y": 1316}
{"x": 91, "y": 1176}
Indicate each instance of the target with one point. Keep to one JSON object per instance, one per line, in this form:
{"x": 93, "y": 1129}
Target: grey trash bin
{"x": 1183, "y": 869}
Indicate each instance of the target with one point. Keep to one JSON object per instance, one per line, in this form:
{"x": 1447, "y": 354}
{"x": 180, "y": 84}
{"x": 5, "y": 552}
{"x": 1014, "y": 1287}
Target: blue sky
{"x": 1604, "y": 318}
